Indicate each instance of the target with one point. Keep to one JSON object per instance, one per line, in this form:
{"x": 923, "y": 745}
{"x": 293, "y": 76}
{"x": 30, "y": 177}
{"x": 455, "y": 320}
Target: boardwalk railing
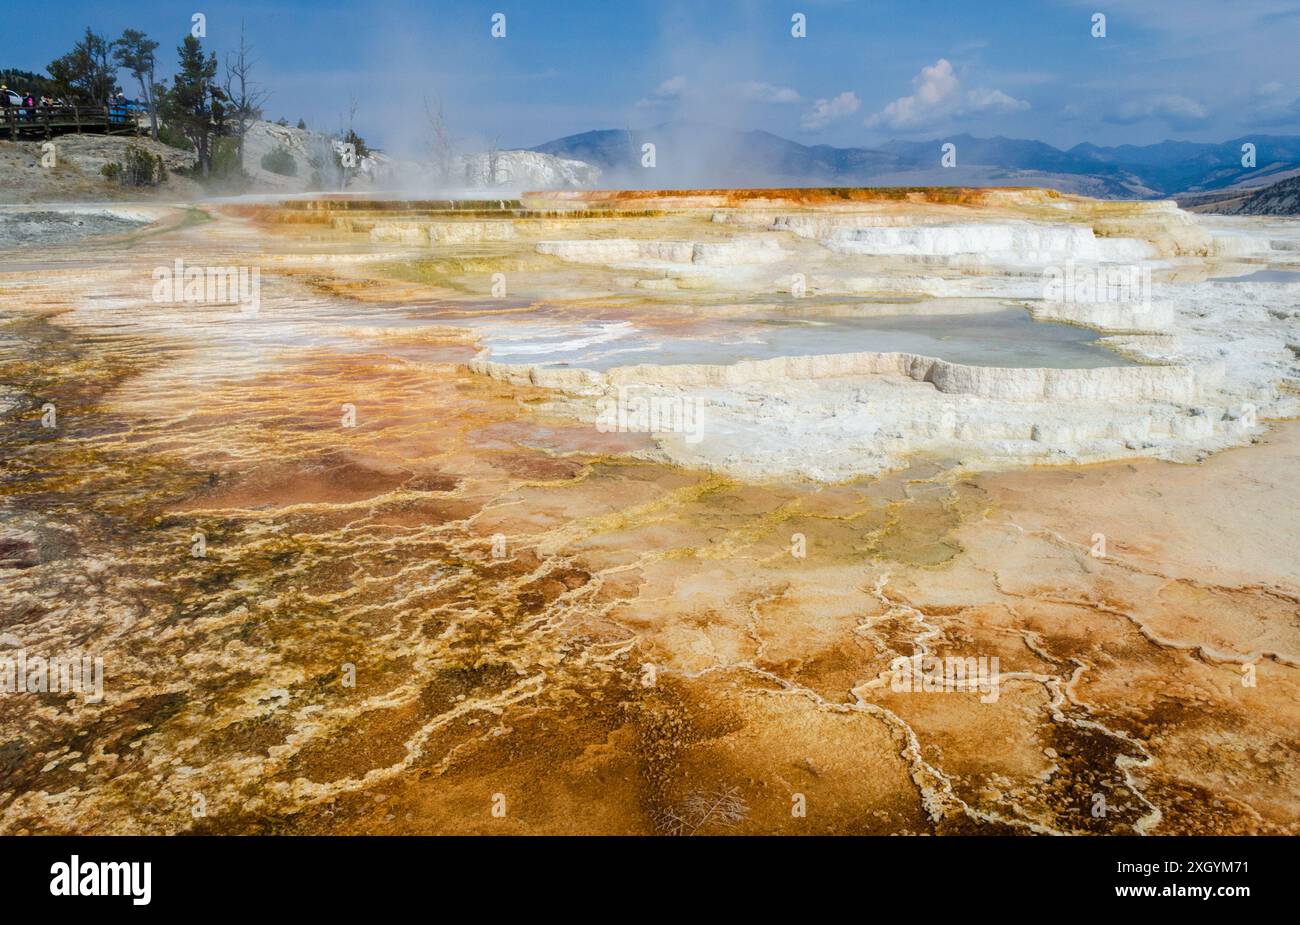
{"x": 47, "y": 121}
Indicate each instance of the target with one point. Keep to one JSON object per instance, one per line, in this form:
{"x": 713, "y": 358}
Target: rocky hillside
{"x": 285, "y": 159}
{"x": 280, "y": 158}
{"x": 277, "y": 159}
{"x": 528, "y": 170}
{"x": 76, "y": 174}
{"x": 1278, "y": 199}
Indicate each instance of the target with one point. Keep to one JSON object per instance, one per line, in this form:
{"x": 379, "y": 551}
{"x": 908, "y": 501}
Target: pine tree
{"x": 86, "y": 72}
{"x": 190, "y": 101}
{"x": 134, "y": 52}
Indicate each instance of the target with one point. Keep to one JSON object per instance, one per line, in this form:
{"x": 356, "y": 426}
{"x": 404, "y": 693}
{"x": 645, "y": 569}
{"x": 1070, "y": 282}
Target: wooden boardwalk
{"x": 28, "y": 122}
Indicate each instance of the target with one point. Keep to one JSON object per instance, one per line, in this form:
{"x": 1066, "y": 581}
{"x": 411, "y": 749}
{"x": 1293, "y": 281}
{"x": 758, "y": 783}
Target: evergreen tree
{"x": 87, "y": 73}
{"x": 190, "y": 102}
{"x": 134, "y": 52}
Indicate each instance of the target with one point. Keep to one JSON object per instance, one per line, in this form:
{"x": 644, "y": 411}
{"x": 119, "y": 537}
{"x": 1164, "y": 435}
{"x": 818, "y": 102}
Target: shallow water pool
{"x": 1261, "y": 276}
{"x": 1005, "y": 337}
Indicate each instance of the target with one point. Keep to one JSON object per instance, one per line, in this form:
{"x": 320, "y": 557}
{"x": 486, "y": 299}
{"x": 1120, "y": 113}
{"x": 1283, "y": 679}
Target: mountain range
{"x": 691, "y": 154}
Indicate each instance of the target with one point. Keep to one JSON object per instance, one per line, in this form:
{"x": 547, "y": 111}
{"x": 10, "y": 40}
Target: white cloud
{"x": 755, "y": 91}
{"x": 671, "y": 88}
{"x": 982, "y": 100}
{"x": 936, "y": 96}
{"x": 668, "y": 91}
{"x": 826, "y": 111}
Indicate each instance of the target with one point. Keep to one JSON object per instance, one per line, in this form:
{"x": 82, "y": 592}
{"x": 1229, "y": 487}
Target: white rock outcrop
{"x": 1008, "y": 244}
{"x": 520, "y": 170}
{"x": 312, "y": 165}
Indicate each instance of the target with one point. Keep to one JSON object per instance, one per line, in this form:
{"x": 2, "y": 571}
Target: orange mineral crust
{"x": 342, "y": 581}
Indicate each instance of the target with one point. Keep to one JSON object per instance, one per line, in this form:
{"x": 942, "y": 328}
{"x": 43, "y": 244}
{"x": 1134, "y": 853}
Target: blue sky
{"x": 868, "y": 70}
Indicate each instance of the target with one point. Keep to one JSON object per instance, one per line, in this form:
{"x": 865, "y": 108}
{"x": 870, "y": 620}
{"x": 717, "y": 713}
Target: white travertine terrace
{"x": 1216, "y": 358}
{"x": 627, "y": 252}
{"x": 1120, "y": 383}
{"x": 434, "y": 232}
{"x": 1008, "y": 243}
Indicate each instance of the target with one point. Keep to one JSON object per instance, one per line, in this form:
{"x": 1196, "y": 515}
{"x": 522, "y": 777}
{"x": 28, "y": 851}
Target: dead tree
{"x": 442, "y": 146}
{"x": 493, "y": 159}
{"x": 245, "y": 97}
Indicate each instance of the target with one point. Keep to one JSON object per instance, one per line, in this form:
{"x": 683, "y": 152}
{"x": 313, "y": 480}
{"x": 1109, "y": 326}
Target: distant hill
{"x": 22, "y": 82}
{"x": 702, "y": 155}
{"x": 1184, "y": 166}
{"x": 1282, "y": 198}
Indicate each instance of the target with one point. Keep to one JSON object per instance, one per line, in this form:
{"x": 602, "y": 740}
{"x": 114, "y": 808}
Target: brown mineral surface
{"x": 342, "y": 582}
